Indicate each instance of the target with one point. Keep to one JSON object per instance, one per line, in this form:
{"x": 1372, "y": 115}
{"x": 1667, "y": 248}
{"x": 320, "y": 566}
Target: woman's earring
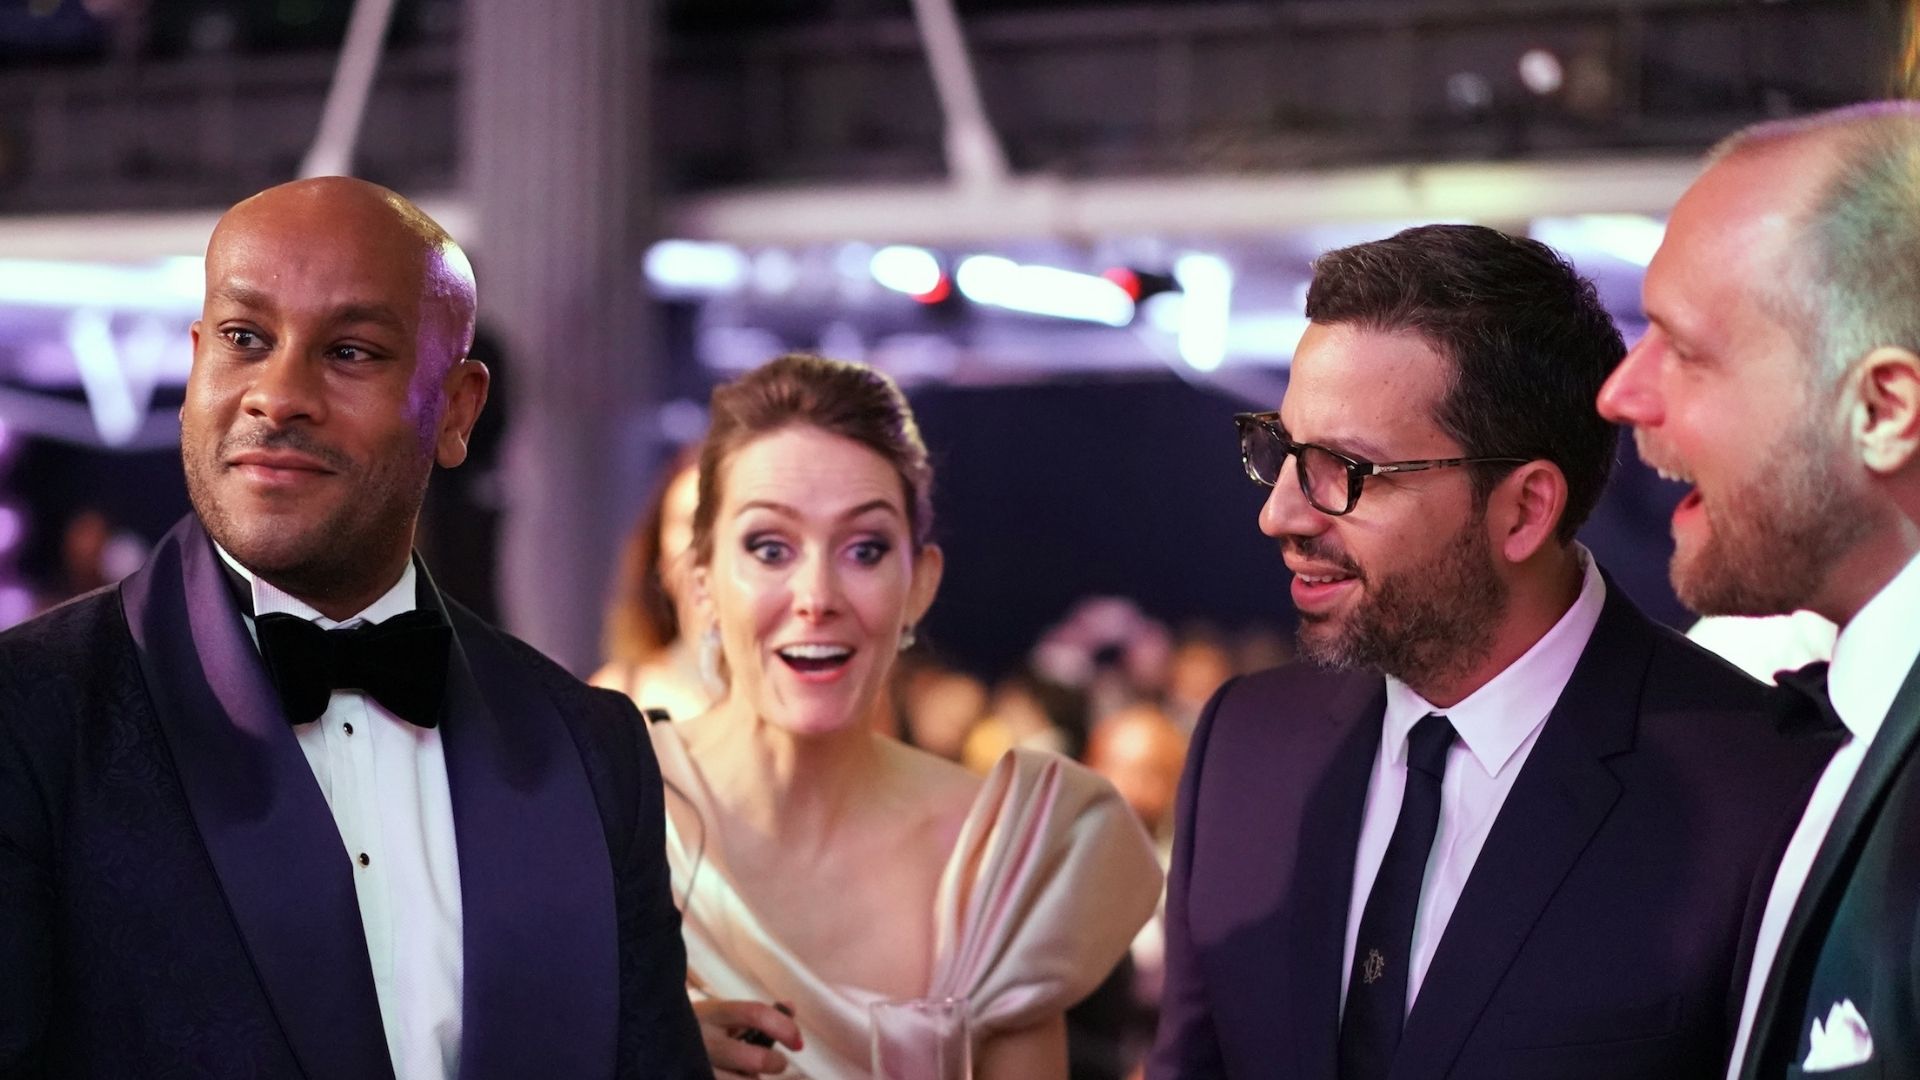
{"x": 716, "y": 683}
{"x": 907, "y": 637}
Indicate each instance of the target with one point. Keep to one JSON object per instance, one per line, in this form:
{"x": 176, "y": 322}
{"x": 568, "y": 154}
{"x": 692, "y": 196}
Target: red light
{"x": 1128, "y": 281}
{"x": 942, "y": 289}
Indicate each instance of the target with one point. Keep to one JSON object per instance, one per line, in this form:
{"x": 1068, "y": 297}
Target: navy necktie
{"x": 400, "y": 663}
{"x": 1383, "y": 949}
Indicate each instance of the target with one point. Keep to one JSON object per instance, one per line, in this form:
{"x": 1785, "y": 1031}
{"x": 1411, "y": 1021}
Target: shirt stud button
{"x": 348, "y": 728}
{"x": 364, "y": 861}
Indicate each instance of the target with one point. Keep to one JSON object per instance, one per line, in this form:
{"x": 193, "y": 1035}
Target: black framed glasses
{"x": 1329, "y": 479}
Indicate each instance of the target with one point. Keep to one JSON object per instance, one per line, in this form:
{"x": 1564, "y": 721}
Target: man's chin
{"x": 270, "y": 549}
{"x": 1718, "y": 591}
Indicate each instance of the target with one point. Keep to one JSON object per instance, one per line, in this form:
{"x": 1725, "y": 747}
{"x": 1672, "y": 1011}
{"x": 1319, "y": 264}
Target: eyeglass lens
{"x": 1326, "y": 476}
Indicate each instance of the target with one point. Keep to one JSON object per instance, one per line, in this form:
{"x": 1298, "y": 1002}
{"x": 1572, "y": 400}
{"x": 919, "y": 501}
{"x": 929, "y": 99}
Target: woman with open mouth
{"x": 821, "y": 866}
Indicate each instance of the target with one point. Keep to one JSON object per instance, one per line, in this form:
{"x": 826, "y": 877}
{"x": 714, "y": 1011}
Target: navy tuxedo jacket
{"x": 175, "y": 899}
{"x": 1601, "y": 930}
{"x": 1854, "y": 934}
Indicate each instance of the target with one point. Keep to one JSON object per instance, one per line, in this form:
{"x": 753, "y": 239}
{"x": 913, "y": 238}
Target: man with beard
{"x": 1780, "y": 375}
{"x": 273, "y": 806}
{"x": 1500, "y": 824}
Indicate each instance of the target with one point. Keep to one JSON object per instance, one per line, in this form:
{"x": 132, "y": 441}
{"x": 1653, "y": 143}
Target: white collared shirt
{"x": 386, "y": 782}
{"x": 1871, "y": 659}
{"x": 1497, "y": 727}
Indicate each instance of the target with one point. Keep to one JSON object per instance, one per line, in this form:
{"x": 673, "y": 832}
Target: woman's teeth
{"x": 815, "y": 658}
{"x": 816, "y": 652}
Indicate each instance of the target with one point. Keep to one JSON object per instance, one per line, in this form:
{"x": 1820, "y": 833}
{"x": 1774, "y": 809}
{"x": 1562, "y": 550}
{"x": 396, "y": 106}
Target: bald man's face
{"x": 1722, "y": 395}
{"x": 327, "y": 379}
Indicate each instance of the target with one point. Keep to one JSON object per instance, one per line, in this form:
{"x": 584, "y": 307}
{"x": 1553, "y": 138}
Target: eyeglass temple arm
{"x": 1436, "y": 463}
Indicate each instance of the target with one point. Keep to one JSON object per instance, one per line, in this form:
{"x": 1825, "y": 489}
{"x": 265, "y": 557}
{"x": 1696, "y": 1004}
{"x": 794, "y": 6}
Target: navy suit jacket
{"x": 1854, "y": 934}
{"x": 175, "y": 899}
{"x": 1600, "y": 931}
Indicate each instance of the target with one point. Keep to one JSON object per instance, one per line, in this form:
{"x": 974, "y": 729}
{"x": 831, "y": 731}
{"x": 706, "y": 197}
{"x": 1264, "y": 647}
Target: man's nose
{"x": 1287, "y": 511}
{"x": 1630, "y": 395}
{"x": 286, "y": 386}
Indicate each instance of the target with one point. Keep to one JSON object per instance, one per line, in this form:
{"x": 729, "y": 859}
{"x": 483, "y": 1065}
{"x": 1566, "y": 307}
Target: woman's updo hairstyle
{"x": 839, "y": 397}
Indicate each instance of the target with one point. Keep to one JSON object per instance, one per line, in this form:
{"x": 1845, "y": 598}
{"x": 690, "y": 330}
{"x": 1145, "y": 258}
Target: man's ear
{"x": 193, "y": 335}
{"x": 929, "y": 565}
{"x": 1885, "y": 421}
{"x": 465, "y": 389}
{"x": 1525, "y": 508}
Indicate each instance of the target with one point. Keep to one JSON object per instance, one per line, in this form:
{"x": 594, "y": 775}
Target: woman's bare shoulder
{"x": 945, "y": 789}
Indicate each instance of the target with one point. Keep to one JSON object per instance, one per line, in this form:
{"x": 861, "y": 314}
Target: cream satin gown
{"x": 1046, "y": 887}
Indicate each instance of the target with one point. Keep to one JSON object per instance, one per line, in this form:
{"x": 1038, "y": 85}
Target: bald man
{"x": 1780, "y": 378}
{"x": 275, "y": 807}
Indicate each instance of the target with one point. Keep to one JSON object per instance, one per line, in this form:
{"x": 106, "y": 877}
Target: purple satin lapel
{"x": 267, "y": 829}
{"x": 536, "y": 881}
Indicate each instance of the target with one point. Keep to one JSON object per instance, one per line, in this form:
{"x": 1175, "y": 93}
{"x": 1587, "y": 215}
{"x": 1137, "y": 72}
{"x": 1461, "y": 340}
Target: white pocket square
{"x": 1841, "y": 1042}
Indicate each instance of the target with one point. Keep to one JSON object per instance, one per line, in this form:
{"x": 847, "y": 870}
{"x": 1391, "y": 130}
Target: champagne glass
{"x": 922, "y": 1039}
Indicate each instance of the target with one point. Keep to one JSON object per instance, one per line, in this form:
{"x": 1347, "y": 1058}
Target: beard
{"x": 1771, "y": 540}
{"x": 1422, "y": 624}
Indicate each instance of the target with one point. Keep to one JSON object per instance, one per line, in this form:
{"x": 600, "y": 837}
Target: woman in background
{"x": 649, "y": 656}
{"x": 823, "y": 866}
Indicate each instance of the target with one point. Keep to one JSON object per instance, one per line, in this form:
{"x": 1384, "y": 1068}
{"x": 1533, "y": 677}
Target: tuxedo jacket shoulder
{"x": 1600, "y": 930}
{"x": 175, "y": 898}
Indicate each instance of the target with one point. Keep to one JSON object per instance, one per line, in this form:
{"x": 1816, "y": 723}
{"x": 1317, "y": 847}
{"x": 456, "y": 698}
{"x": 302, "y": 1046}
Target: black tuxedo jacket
{"x": 175, "y": 899}
{"x": 1599, "y": 933}
{"x": 1854, "y": 934}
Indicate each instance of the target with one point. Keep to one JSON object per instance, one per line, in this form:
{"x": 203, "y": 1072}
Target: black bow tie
{"x": 1805, "y": 691}
{"x": 400, "y": 663}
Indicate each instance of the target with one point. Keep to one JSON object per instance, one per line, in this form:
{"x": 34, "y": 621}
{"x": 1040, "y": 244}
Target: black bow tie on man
{"x": 1803, "y": 696}
{"x": 400, "y": 663}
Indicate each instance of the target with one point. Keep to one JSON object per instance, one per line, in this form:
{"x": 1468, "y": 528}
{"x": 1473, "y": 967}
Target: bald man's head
{"x": 1848, "y": 181}
{"x": 379, "y": 216}
{"x": 329, "y": 376}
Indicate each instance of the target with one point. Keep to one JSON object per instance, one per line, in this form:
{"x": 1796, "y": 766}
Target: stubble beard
{"x": 1771, "y": 541}
{"x": 1423, "y": 625}
{"x": 317, "y": 556}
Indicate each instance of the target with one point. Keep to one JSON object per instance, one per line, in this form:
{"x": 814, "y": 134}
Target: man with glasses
{"x": 1780, "y": 378}
{"x": 1501, "y": 825}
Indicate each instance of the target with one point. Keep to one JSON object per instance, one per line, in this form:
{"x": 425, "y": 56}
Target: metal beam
{"x": 1210, "y": 206}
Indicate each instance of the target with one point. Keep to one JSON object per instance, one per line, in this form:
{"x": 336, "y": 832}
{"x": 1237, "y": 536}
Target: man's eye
{"x": 242, "y": 339}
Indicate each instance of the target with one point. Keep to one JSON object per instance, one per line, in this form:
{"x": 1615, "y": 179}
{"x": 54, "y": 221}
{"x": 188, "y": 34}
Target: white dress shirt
{"x": 386, "y": 782}
{"x": 1497, "y": 727}
{"x": 1870, "y": 661}
{"x": 1764, "y": 645}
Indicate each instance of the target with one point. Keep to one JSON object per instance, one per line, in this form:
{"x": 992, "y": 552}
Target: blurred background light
{"x": 1630, "y": 238}
{"x": 1042, "y": 290}
{"x": 691, "y": 267}
{"x": 1207, "y": 281}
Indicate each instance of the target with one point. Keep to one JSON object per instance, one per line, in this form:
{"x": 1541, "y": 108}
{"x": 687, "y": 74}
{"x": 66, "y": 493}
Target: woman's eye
{"x": 869, "y": 552}
{"x": 767, "y": 550}
{"x": 349, "y": 352}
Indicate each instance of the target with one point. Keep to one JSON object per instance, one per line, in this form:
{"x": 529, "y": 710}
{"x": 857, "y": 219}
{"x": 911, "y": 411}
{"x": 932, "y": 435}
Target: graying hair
{"x": 1853, "y": 281}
